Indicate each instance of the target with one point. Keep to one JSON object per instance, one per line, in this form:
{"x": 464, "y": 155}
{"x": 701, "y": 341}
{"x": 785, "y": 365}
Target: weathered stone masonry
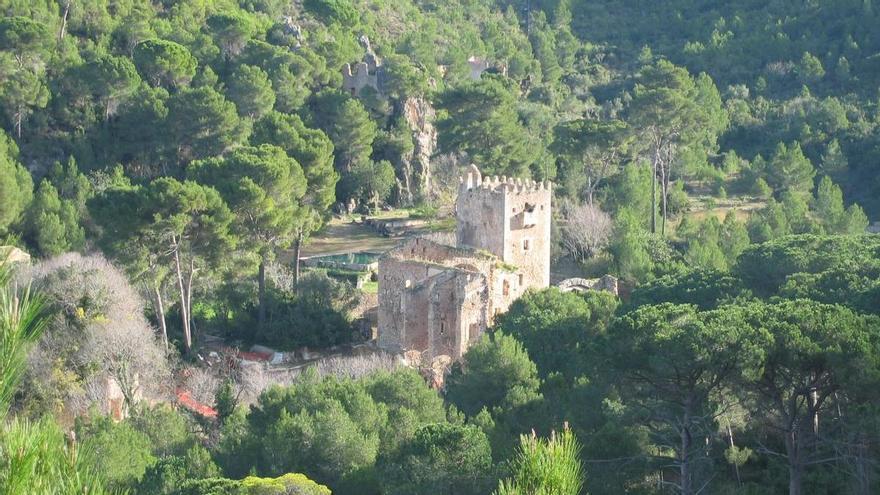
{"x": 437, "y": 299}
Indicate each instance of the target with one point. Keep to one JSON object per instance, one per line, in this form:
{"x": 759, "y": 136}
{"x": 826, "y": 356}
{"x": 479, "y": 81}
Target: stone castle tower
{"x": 436, "y": 299}
{"x": 509, "y": 218}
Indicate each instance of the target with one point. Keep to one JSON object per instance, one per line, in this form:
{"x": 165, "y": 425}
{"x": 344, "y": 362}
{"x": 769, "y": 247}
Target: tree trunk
{"x": 261, "y": 296}
{"x": 685, "y": 456}
{"x": 795, "y": 464}
{"x": 664, "y": 190}
{"x": 19, "y": 115}
{"x": 590, "y": 190}
{"x": 297, "y": 250}
{"x": 160, "y": 315}
{"x": 812, "y": 403}
{"x": 863, "y": 469}
{"x": 184, "y": 309}
{"x": 189, "y": 286}
{"x": 64, "y": 20}
{"x": 654, "y": 192}
{"x": 732, "y": 445}
{"x": 795, "y": 475}
{"x": 126, "y": 387}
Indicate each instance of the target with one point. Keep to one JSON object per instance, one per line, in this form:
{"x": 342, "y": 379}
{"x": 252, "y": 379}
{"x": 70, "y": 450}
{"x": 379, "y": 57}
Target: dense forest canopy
{"x": 165, "y": 163}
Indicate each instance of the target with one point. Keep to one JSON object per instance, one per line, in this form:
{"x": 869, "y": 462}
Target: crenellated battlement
{"x": 474, "y": 182}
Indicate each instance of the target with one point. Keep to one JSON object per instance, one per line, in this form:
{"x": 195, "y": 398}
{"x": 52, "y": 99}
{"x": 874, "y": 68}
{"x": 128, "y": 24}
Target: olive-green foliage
{"x": 54, "y": 220}
{"x": 332, "y": 429}
{"x": 204, "y": 123}
{"x": 287, "y": 484}
{"x": 341, "y": 11}
{"x": 766, "y": 267}
{"x": 481, "y": 119}
{"x": 672, "y": 362}
{"x": 169, "y": 430}
{"x": 371, "y": 182}
{"x": 442, "y": 459}
{"x": 36, "y": 457}
{"x": 818, "y": 350}
{"x": 120, "y": 452}
{"x": 164, "y": 63}
{"x": 751, "y": 75}
{"x": 495, "y": 373}
{"x": 16, "y": 185}
{"x": 552, "y": 326}
{"x": 347, "y": 123}
{"x": 23, "y": 35}
{"x": 545, "y": 466}
{"x": 591, "y": 151}
{"x": 834, "y": 217}
{"x": 318, "y": 313}
{"x": 705, "y": 289}
{"x": 251, "y": 91}
{"x": 263, "y": 186}
{"x": 790, "y": 170}
{"x": 712, "y": 244}
{"x": 311, "y": 148}
{"x": 54, "y": 223}
{"x": 169, "y": 473}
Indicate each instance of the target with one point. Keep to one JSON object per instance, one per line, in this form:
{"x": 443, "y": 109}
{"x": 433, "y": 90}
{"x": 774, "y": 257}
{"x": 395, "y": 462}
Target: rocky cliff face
{"x": 415, "y": 182}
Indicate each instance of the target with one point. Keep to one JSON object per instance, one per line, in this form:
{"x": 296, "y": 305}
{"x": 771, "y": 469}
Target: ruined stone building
{"x": 364, "y": 74}
{"x": 479, "y": 65}
{"x": 436, "y": 299}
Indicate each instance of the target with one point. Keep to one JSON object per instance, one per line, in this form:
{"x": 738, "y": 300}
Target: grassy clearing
{"x": 347, "y": 234}
{"x": 370, "y": 287}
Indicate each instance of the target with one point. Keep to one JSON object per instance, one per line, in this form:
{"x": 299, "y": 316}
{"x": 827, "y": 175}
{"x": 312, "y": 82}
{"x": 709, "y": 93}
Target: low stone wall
{"x": 607, "y": 283}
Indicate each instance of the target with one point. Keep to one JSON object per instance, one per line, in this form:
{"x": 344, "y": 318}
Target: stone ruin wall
{"x": 492, "y": 216}
{"x": 427, "y": 251}
{"x": 437, "y": 299}
{"x": 362, "y": 76}
{"x": 394, "y": 277}
{"x": 434, "y": 309}
{"x": 480, "y": 219}
{"x": 527, "y": 242}
{"x": 455, "y": 313}
{"x": 474, "y": 316}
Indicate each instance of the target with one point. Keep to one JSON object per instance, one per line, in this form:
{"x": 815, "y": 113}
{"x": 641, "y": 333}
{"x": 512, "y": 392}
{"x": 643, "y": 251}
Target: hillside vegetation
{"x": 164, "y": 161}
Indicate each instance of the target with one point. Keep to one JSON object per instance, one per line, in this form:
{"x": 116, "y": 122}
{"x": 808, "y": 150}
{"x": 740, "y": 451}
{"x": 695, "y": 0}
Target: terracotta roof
{"x": 186, "y": 400}
{"x": 255, "y": 356}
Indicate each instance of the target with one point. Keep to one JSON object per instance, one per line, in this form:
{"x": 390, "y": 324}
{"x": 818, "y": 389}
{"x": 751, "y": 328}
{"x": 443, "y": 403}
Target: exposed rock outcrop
{"x": 415, "y": 180}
